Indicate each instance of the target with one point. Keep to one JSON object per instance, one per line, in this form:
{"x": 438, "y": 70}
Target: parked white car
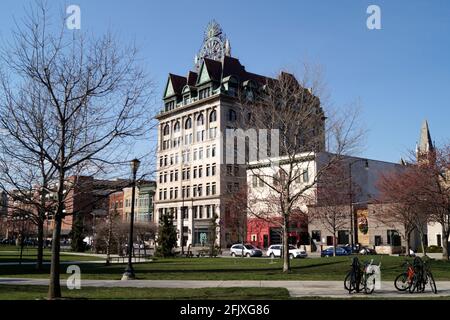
{"x": 246, "y": 250}
{"x": 275, "y": 251}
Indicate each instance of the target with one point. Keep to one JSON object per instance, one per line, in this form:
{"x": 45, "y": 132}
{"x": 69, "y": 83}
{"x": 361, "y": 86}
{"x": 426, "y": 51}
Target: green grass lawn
{"x": 12, "y": 254}
{"x": 15, "y": 292}
{"x": 334, "y": 268}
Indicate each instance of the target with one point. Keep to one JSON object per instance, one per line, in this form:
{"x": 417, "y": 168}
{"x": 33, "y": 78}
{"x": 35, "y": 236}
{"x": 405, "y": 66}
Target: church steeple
{"x": 425, "y": 147}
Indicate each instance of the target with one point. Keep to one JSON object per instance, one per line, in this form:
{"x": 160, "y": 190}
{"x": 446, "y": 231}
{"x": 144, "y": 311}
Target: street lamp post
{"x": 129, "y": 271}
{"x": 353, "y": 228}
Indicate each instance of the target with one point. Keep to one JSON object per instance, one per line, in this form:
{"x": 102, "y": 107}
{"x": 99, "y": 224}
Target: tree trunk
{"x": 21, "y": 249}
{"x": 445, "y": 236}
{"x": 108, "y": 244}
{"x": 408, "y": 240}
{"x": 286, "y": 266}
{"x": 54, "y": 290}
{"x": 422, "y": 243}
{"x": 334, "y": 244}
{"x": 40, "y": 247}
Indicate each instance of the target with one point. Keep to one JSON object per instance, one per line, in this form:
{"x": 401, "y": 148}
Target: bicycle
{"x": 361, "y": 278}
{"x": 403, "y": 281}
{"x": 422, "y": 277}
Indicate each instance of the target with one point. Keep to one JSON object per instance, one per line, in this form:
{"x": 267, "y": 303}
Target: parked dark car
{"x": 328, "y": 252}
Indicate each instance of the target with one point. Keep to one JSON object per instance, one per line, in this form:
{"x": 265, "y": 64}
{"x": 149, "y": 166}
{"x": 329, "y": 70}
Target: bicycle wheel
{"x": 369, "y": 284}
{"x": 415, "y": 285}
{"x": 347, "y": 282}
{"x": 401, "y": 283}
{"x": 432, "y": 283}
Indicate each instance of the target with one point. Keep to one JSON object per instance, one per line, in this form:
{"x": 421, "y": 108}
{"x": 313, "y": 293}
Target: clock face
{"x": 212, "y": 49}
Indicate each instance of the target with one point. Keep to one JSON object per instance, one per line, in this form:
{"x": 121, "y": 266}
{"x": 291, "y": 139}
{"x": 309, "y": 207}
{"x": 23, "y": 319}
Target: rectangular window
{"x": 236, "y": 170}
{"x": 229, "y": 169}
{"x": 208, "y": 189}
{"x": 195, "y": 154}
{"x": 208, "y": 152}
{"x": 208, "y": 170}
{"x": 306, "y": 176}
{"x": 194, "y": 173}
{"x": 213, "y": 188}
{"x": 200, "y": 171}
{"x": 199, "y": 190}
{"x": 229, "y": 187}
{"x": 194, "y": 190}
{"x": 261, "y": 181}
{"x": 200, "y": 153}
{"x": 378, "y": 241}
{"x": 213, "y": 169}
{"x": 213, "y": 150}
{"x": 212, "y": 133}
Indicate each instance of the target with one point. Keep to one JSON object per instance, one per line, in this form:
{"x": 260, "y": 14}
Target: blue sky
{"x": 400, "y": 73}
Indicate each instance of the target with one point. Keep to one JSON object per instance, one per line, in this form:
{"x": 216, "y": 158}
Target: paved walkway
{"x": 333, "y": 289}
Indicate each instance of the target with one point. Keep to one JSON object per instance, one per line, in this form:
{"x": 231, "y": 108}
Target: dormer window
{"x": 186, "y": 99}
{"x": 170, "y": 105}
{"x": 204, "y": 93}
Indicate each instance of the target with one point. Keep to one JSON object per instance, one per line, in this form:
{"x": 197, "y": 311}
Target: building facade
{"x": 304, "y": 229}
{"x": 144, "y": 198}
{"x": 193, "y": 182}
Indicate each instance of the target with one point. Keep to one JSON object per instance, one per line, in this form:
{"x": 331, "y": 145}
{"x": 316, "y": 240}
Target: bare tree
{"x": 294, "y": 110}
{"x": 436, "y": 191}
{"x": 145, "y": 231}
{"x": 95, "y": 97}
{"x": 236, "y": 214}
{"x": 402, "y": 202}
{"x": 331, "y": 209}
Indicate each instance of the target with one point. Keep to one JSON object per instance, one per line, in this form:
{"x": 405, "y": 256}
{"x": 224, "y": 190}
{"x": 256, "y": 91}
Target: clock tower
{"x": 215, "y": 45}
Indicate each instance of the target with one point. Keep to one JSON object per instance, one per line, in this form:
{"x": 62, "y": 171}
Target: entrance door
{"x": 265, "y": 240}
{"x": 275, "y": 235}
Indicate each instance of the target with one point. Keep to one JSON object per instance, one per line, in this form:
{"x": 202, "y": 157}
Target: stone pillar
{"x": 179, "y": 227}
{"x": 190, "y": 227}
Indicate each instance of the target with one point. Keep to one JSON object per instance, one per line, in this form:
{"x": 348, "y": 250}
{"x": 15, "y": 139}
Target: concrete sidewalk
{"x": 332, "y": 289}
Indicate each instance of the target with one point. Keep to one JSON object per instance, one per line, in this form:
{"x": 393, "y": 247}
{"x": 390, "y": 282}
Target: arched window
{"x": 176, "y": 127}
{"x": 232, "y": 115}
{"x": 166, "y": 130}
{"x": 200, "y": 120}
{"x": 188, "y": 123}
{"x": 213, "y": 116}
